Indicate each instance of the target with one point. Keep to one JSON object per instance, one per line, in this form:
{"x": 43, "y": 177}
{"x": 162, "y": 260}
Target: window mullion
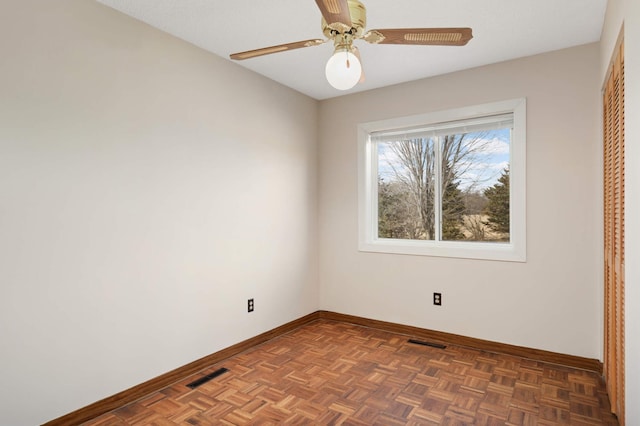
{"x": 437, "y": 199}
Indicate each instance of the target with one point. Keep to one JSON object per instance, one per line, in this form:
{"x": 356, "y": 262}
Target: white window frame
{"x": 514, "y": 250}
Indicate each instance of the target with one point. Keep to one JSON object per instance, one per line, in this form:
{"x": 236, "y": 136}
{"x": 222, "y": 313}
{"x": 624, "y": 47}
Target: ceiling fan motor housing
{"x": 358, "y": 23}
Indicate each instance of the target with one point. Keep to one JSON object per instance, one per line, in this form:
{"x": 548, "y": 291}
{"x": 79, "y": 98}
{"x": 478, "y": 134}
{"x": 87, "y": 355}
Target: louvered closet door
{"x": 613, "y": 114}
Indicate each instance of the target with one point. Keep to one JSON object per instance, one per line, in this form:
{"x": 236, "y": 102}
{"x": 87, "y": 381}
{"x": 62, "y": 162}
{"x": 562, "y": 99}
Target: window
{"x": 449, "y": 183}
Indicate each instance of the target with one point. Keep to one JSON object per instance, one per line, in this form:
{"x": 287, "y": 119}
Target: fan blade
{"x": 422, "y": 36}
{"x": 275, "y": 49}
{"x": 336, "y": 13}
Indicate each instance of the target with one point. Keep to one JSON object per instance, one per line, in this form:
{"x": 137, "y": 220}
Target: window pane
{"x": 475, "y": 186}
{"x": 406, "y": 183}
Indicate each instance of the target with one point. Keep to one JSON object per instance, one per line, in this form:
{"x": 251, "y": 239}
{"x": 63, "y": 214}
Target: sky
{"x": 481, "y": 171}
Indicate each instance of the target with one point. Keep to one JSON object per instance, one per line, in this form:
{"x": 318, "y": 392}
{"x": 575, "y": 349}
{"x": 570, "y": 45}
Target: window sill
{"x": 466, "y": 250}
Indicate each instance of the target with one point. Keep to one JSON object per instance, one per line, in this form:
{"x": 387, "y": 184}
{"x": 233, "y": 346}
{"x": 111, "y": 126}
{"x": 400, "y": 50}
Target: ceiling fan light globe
{"x": 343, "y": 70}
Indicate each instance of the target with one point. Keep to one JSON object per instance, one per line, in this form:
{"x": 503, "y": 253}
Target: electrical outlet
{"x": 437, "y": 299}
{"x": 250, "y": 305}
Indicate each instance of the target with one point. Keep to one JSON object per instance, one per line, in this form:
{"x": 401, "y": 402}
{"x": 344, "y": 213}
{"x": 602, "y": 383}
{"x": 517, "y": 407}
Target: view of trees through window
{"x": 445, "y": 186}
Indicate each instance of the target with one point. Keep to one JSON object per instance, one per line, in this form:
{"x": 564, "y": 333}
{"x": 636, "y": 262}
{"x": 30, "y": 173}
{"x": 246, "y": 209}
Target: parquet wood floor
{"x": 333, "y": 373}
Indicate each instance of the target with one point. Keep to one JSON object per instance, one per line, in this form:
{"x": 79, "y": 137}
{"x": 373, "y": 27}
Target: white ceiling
{"x": 502, "y": 30}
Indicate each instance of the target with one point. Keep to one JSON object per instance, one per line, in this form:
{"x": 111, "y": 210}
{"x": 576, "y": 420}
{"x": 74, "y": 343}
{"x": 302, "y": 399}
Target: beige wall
{"x": 550, "y": 302}
{"x": 628, "y": 12}
{"x": 147, "y": 190}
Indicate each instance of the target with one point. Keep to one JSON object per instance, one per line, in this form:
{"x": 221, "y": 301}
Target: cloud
{"x": 481, "y": 175}
{"x": 495, "y": 146}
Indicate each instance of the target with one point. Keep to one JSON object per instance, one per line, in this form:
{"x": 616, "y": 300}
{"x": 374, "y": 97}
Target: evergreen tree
{"x": 498, "y": 204}
{"x": 453, "y": 207}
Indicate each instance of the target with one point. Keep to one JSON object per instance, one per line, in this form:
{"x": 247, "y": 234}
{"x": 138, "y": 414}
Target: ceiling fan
{"x": 344, "y": 21}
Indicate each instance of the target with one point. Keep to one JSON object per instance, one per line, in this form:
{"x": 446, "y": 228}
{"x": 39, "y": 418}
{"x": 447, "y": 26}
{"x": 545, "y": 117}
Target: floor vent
{"x": 205, "y": 379}
{"x": 433, "y": 345}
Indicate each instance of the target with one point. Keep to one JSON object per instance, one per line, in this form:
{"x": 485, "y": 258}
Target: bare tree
{"x": 417, "y": 174}
{"x": 414, "y": 167}
{"x": 476, "y": 227}
{"x": 395, "y": 218}
{"x": 475, "y": 202}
